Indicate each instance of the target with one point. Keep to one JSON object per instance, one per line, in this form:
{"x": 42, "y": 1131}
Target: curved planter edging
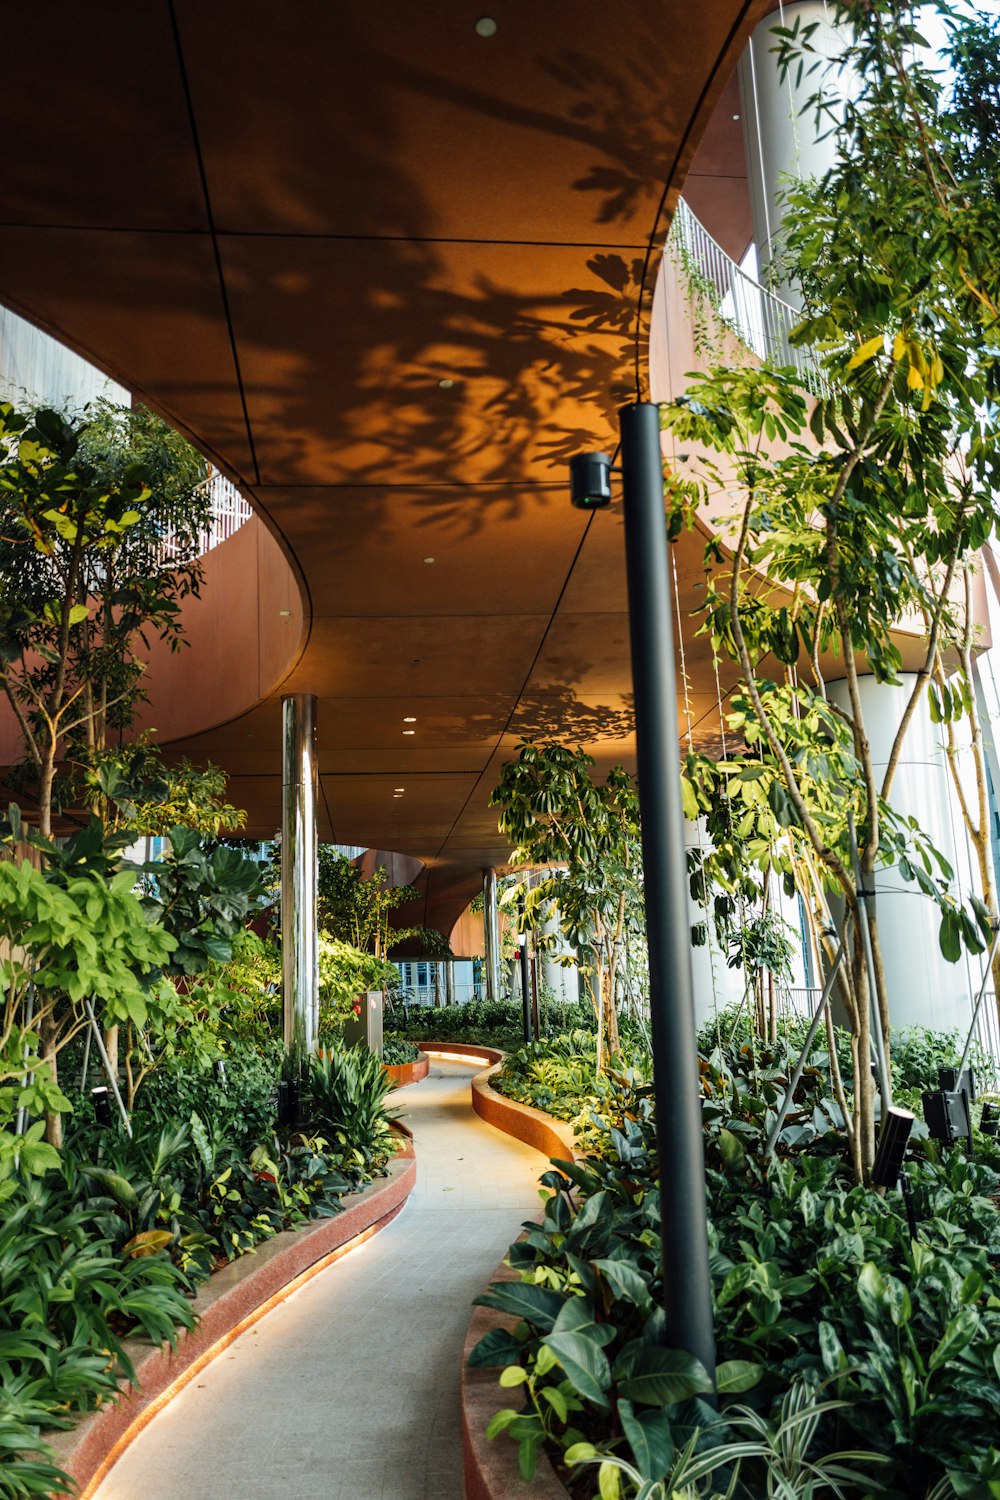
{"x": 491, "y": 1467}
{"x": 466, "y": 1050}
{"x": 411, "y": 1072}
{"x": 532, "y": 1126}
{"x": 233, "y": 1299}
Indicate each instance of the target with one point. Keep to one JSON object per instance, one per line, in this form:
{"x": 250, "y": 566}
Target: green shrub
{"x": 344, "y": 1097}
{"x": 818, "y": 1289}
{"x": 396, "y": 1052}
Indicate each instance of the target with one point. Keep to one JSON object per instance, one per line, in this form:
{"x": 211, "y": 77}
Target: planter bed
{"x": 491, "y": 1468}
{"x": 532, "y": 1126}
{"x": 230, "y": 1302}
{"x": 411, "y": 1072}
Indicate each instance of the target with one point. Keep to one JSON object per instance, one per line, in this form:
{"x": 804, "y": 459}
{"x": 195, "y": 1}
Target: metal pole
{"x": 522, "y": 939}
{"x": 106, "y": 1062}
{"x": 987, "y": 972}
{"x": 864, "y": 896}
{"x": 687, "y": 1287}
{"x": 21, "y": 1117}
{"x": 797, "y": 1071}
{"x": 491, "y": 935}
{"x": 299, "y": 939}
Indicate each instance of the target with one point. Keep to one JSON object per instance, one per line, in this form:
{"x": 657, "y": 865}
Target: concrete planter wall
{"x": 411, "y": 1072}
{"x": 491, "y": 1468}
{"x": 230, "y": 1302}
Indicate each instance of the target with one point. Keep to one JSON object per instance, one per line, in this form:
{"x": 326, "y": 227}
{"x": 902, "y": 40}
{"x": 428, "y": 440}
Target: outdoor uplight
{"x": 894, "y": 1135}
{"x": 590, "y": 481}
{"x": 102, "y": 1106}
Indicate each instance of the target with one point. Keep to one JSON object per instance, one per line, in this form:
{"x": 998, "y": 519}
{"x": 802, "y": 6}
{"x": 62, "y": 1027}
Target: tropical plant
{"x": 883, "y": 506}
{"x": 344, "y": 1095}
{"x": 589, "y": 835}
{"x": 138, "y": 791}
{"x": 85, "y": 579}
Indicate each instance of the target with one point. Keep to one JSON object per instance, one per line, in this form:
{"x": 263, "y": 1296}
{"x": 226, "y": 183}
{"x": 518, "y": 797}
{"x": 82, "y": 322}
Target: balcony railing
{"x": 229, "y": 512}
{"x": 760, "y": 319}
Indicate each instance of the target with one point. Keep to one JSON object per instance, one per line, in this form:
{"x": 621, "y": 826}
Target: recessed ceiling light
{"x": 409, "y": 731}
{"x": 428, "y": 559}
{"x": 399, "y": 788}
{"x": 284, "y": 613}
{"x": 409, "y": 718}
{"x": 397, "y": 796}
{"x": 445, "y": 385}
{"x": 735, "y": 117}
{"x": 486, "y": 26}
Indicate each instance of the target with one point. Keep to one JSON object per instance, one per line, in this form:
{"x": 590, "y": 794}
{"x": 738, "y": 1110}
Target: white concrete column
{"x": 299, "y": 938}
{"x": 715, "y": 985}
{"x": 560, "y": 980}
{"x": 491, "y": 936}
{"x": 780, "y": 140}
{"x": 924, "y": 989}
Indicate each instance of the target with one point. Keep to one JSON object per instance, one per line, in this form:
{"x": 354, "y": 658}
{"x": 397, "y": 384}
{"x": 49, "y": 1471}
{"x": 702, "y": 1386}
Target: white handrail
{"x": 760, "y": 319}
{"x": 230, "y": 511}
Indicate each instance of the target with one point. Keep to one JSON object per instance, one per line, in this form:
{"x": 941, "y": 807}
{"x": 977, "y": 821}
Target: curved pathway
{"x": 349, "y": 1390}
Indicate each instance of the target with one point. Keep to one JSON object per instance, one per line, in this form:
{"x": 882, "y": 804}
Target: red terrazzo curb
{"x": 486, "y": 1055}
{"x": 230, "y": 1298}
{"x": 491, "y": 1466}
{"x": 532, "y": 1126}
{"x": 411, "y": 1072}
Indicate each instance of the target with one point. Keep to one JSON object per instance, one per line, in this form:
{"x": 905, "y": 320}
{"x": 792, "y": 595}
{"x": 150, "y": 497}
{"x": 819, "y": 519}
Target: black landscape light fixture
{"x": 687, "y": 1287}
{"x": 947, "y": 1114}
{"x": 888, "y": 1168}
{"x": 893, "y": 1136}
{"x": 989, "y": 1120}
{"x": 102, "y": 1106}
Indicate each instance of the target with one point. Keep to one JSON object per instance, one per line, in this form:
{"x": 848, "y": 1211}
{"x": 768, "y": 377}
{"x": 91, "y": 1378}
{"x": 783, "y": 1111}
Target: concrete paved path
{"x": 349, "y": 1390}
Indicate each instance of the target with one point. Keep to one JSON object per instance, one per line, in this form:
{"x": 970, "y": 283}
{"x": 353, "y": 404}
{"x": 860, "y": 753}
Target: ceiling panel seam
{"x": 196, "y": 141}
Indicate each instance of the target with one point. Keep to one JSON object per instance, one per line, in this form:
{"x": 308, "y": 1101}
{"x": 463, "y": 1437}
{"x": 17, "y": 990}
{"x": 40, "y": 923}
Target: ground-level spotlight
{"x": 888, "y": 1168}
{"x": 989, "y": 1120}
{"x": 101, "y": 1101}
{"x": 948, "y": 1116}
{"x": 895, "y": 1133}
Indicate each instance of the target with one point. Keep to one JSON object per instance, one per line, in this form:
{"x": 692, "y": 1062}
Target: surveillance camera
{"x": 590, "y": 481}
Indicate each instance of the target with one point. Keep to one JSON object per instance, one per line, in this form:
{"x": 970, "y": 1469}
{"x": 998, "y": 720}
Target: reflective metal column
{"x": 299, "y": 943}
{"x": 491, "y": 935}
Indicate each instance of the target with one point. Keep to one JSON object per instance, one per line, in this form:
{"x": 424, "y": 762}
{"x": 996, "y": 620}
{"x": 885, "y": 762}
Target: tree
{"x": 558, "y": 817}
{"x": 136, "y": 790}
{"x": 85, "y": 576}
{"x": 880, "y": 506}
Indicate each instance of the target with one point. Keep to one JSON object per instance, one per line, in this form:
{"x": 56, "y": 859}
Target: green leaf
{"x": 513, "y": 1375}
{"x": 731, "y": 1150}
{"x": 737, "y": 1375}
{"x": 650, "y": 1437}
{"x": 609, "y": 1482}
{"x": 116, "y": 1186}
{"x": 957, "y": 1336}
{"x": 585, "y": 1363}
{"x": 536, "y": 1304}
{"x": 659, "y": 1377}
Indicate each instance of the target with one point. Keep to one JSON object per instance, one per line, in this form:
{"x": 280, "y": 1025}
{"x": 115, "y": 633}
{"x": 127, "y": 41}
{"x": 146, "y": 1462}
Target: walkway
{"x": 349, "y": 1390}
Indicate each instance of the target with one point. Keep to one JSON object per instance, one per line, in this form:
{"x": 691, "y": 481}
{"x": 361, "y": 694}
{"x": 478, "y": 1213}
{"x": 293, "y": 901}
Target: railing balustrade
{"x": 760, "y": 319}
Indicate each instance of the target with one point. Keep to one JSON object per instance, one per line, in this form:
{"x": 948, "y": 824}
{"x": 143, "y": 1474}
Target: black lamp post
{"x": 687, "y": 1287}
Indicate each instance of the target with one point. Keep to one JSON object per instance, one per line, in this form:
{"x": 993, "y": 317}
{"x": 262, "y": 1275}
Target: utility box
{"x": 365, "y": 1026}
